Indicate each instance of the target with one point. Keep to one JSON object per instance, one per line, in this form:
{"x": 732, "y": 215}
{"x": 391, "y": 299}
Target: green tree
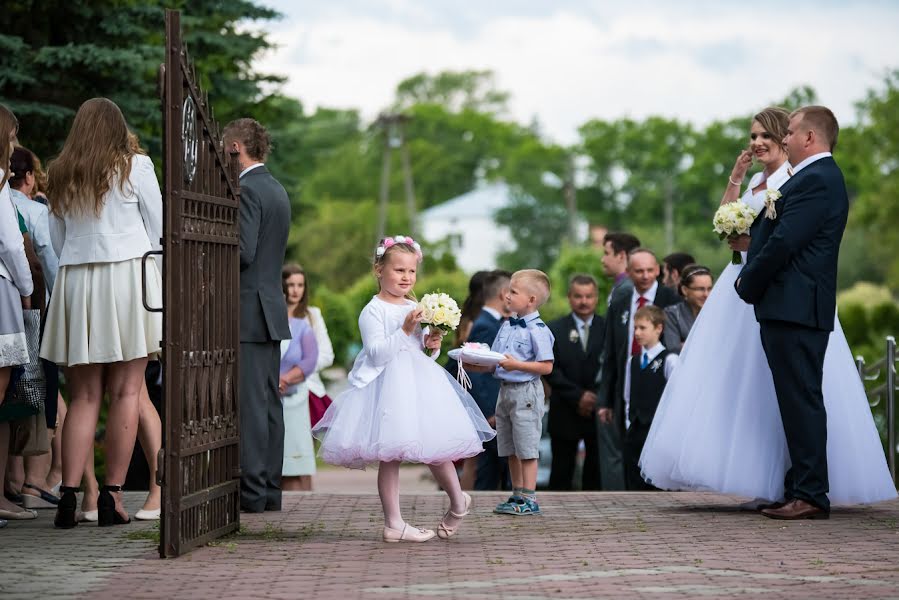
{"x": 55, "y": 55}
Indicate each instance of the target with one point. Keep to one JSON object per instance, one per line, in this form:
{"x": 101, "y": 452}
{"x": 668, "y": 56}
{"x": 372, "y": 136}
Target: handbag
{"x": 317, "y": 407}
{"x": 31, "y": 387}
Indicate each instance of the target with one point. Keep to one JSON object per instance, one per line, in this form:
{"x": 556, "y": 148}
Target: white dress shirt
{"x": 650, "y": 296}
{"x": 493, "y": 313}
{"x": 583, "y": 328}
{"x": 247, "y": 170}
{"x": 810, "y": 160}
{"x": 129, "y": 225}
{"x": 37, "y": 220}
{"x": 671, "y": 362}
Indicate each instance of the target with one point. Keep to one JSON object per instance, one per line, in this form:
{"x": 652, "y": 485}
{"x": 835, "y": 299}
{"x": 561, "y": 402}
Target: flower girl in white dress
{"x": 401, "y": 405}
{"x": 718, "y": 425}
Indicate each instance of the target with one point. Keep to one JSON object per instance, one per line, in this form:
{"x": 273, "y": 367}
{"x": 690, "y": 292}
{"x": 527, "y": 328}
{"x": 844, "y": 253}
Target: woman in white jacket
{"x": 16, "y": 287}
{"x": 105, "y": 213}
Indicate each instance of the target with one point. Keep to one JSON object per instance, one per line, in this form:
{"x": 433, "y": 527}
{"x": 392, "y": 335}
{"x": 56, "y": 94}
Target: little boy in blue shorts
{"x": 528, "y": 345}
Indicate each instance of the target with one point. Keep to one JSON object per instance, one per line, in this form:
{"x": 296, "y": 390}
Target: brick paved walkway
{"x": 600, "y": 545}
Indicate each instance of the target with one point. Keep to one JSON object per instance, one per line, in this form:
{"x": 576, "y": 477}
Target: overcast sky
{"x": 567, "y": 61}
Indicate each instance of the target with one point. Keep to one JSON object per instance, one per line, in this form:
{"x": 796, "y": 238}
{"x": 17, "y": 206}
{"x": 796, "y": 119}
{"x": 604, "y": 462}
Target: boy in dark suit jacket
{"x": 572, "y": 401}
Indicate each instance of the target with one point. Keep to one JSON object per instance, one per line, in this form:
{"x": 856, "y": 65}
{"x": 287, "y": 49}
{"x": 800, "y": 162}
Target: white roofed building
{"x": 468, "y": 221}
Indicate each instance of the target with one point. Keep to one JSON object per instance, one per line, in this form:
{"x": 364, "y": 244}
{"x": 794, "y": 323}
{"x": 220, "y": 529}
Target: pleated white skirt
{"x": 96, "y": 314}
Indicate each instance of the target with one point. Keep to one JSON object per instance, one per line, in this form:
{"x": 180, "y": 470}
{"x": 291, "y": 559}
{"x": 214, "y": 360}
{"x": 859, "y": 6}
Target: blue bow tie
{"x": 517, "y": 322}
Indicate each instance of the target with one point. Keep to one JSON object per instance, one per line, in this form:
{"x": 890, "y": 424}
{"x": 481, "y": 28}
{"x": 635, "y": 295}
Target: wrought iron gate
{"x": 200, "y": 465}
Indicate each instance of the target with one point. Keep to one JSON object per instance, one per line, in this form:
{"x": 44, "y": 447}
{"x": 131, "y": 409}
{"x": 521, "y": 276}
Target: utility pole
{"x": 393, "y": 126}
{"x": 669, "y": 213}
{"x": 570, "y": 193}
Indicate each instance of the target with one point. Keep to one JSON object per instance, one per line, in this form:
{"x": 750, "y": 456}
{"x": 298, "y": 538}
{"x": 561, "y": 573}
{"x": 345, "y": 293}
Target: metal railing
{"x": 885, "y": 392}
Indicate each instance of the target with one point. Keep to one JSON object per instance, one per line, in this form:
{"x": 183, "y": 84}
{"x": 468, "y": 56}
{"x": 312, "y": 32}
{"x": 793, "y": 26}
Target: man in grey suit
{"x": 264, "y": 226}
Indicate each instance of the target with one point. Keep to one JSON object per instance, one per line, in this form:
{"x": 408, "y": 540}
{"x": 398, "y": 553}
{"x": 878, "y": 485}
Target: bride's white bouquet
{"x": 439, "y": 310}
{"x": 731, "y": 220}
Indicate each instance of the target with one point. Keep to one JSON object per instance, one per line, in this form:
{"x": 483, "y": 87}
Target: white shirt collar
{"x": 250, "y": 168}
{"x": 649, "y": 294}
{"x": 779, "y": 176}
{"x": 580, "y": 322}
{"x": 810, "y": 160}
{"x": 652, "y": 352}
{"x": 492, "y": 312}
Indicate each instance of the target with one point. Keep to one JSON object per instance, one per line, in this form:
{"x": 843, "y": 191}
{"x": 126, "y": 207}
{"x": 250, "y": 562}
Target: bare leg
{"x": 15, "y": 473}
{"x": 515, "y": 473}
{"x": 124, "y": 383}
{"x": 290, "y": 483}
{"x": 445, "y": 474}
{"x": 389, "y": 491}
{"x": 55, "y": 474}
{"x": 296, "y": 483}
{"x": 469, "y": 473}
{"x": 4, "y": 443}
{"x": 149, "y": 432}
{"x": 91, "y": 487}
{"x": 86, "y": 393}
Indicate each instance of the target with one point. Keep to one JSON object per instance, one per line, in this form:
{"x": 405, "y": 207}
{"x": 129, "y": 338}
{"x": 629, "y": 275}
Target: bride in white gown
{"x": 718, "y": 425}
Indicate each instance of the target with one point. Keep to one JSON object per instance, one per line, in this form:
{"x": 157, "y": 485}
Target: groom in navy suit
{"x": 791, "y": 278}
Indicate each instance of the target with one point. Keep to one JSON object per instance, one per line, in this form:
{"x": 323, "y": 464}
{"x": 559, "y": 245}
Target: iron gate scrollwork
{"x": 200, "y": 466}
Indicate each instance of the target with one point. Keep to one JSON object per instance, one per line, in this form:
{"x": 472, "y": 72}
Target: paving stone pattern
{"x": 586, "y": 545}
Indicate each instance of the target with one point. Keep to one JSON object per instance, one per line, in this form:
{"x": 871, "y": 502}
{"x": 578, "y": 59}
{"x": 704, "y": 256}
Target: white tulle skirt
{"x": 718, "y": 425}
{"x": 412, "y": 412}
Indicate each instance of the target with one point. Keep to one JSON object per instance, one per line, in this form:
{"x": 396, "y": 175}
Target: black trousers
{"x": 796, "y": 358}
{"x": 634, "y": 440}
{"x": 564, "y": 461}
{"x": 261, "y": 427}
{"x": 492, "y": 471}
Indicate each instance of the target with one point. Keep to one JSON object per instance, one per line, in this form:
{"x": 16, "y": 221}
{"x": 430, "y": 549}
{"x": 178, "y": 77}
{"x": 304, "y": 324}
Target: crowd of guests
{"x": 71, "y": 242}
{"x": 603, "y": 388}
{"x": 72, "y": 313}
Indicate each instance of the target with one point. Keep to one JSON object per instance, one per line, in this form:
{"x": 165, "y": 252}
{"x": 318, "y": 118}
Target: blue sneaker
{"x": 508, "y": 507}
{"x": 526, "y": 507}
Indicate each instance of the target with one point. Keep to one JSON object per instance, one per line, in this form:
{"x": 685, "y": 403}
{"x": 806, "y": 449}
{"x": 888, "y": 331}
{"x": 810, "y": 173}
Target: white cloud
{"x": 571, "y": 64}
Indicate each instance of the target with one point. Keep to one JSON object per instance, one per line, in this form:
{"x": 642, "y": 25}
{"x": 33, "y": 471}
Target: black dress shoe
{"x": 65, "y": 510}
{"x": 107, "y": 515}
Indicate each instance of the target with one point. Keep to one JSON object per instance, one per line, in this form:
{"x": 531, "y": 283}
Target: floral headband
{"x": 398, "y": 239}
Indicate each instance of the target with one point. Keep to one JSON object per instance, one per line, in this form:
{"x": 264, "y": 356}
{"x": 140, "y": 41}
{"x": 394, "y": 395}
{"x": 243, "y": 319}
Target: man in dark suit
{"x": 616, "y": 245}
{"x": 572, "y": 402}
{"x": 492, "y": 470}
{"x": 264, "y": 225}
{"x": 791, "y": 279}
{"x": 643, "y": 270}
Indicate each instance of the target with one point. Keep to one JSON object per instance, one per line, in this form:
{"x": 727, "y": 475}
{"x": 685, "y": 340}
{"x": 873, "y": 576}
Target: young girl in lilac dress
{"x": 401, "y": 405}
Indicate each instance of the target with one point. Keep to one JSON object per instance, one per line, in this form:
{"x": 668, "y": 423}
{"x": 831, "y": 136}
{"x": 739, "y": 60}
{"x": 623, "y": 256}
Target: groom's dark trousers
{"x": 791, "y": 278}
{"x": 796, "y": 358}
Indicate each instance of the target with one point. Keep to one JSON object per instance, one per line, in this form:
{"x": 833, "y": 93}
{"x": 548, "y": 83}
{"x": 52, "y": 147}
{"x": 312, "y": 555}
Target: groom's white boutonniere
{"x": 771, "y": 196}
{"x": 624, "y": 317}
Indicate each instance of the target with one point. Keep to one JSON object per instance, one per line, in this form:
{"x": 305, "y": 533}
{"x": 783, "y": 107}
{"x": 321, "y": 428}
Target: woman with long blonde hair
{"x": 105, "y": 213}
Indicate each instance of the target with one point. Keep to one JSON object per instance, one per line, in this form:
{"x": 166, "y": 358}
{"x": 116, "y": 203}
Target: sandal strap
{"x": 112, "y": 488}
{"x": 65, "y": 488}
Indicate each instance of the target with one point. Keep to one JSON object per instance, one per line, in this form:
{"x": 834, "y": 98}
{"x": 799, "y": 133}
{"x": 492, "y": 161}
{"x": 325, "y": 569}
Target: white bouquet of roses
{"x": 731, "y": 220}
{"x": 439, "y": 310}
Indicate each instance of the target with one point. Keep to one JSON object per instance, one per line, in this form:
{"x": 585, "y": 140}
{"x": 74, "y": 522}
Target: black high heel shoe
{"x": 107, "y": 515}
{"x": 65, "y": 510}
